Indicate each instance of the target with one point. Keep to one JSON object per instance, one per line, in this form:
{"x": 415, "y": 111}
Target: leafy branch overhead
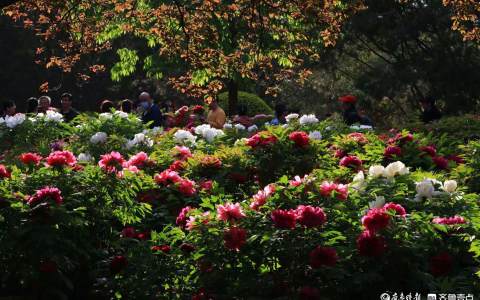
{"x": 211, "y": 39}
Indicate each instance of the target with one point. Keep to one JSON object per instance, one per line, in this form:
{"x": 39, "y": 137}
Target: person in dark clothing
{"x": 350, "y": 116}
{"x": 106, "y": 106}
{"x": 430, "y": 111}
{"x": 32, "y": 105}
{"x": 151, "y": 113}
{"x": 68, "y": 112}
{"x": 8, "y": 109}
{"x": 127, "y": 106}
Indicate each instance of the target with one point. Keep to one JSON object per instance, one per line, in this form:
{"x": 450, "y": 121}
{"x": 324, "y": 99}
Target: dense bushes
{"x": 255, "y": 105}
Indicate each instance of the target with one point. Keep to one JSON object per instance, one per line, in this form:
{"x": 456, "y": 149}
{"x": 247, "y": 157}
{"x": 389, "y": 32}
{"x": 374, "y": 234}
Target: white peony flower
{"x": 241, "y": 141}
{"x": 376, "y": 171}
{"x": 105, "y": 116}
{"x": 315, "y": 135}
{"x": 285, "y": 126}
{"x": 393, "y": 169}
{"x": 201, "y": 128}
{"x": 291, "y": 117}
{"x": 308, "y": 119}
{"x": 122, "y": 114}
{"x": 450, "y": 186}
{"x": 252, "y": 128}
{"x": 424, "y": 189}
{"x": 328, "y": 128}
{"x": 354, "y": 127}
{"x": 209, "y": 134}
{"x": 239, "y": 127}
{"x": 54, "y": 116}
{"x": 141, "y": 138}
{"x": 98, "y": 137}
{"x": 15, "y": 120}
{"x": 85, "y": 157}
{"x": 361, "y": 183}
{"x": 379, "y": 202}
{"x": 183, "y": 135}
{"x": 266, "y": 124}
{"x": 227, "y": 126}
{"x": 366, "y": 127}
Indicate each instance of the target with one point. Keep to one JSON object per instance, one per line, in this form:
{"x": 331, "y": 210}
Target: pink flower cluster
{"x": 46, "y": 193}
{"x": 261, "y": 197}
{"x": 328, "y": 187}
{"x": 376, "y": 219}
{"x": 450, "y": 221}
{"x": 168, "y": 177}
{"x": 307, "y": 216}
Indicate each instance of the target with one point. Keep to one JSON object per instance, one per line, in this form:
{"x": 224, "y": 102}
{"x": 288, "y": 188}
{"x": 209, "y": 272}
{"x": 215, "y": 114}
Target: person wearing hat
{"x": 430, "y": 111}
{"x": 350, "y": 116}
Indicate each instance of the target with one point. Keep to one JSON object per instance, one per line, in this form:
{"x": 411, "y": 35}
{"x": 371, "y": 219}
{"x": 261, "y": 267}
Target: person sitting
{"x": 44, "y": 103}
{"x": 167, "y": 123}
{"x": 151, "y": 113}
{"x": 280, "y": 113}
{"x": 68, "y": 112}
{"x": 8, "y": 109}
{"x": 106, "y": 106}
{"x": 32, "y": 106}
{"x": 216, "y": 116}
{"x": 242, "y": 117}
{"x": 127, "y": 106}
{"x": 430, "y": 111}
{"x": 350, "y": 115}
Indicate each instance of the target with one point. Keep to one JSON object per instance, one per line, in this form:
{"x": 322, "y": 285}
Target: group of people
{"x": 157, "y": 116}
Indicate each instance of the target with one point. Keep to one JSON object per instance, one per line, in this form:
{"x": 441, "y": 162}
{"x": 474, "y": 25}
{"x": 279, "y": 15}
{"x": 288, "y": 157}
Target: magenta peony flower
{"x": 328, "y": 187}
{"x": 112, "y": 162}
{"x": 441, "y": 163}
{"x": 375, "y": 220}
{"x": 441, "y": 264}
{"x": 392, "y": 150}
{"x": 400, "y": 211}
{"x": 167, "y": 177}
{"x": 323, "y": 256}
{"x": 234, "y": 238}
{"x": 128, "y": 233}
{"x": 351, "y": 161}
{"x": 46, "y": 193}
{"x": 60, "y": 158}
{"x": 369, "y": 244}
{"x": 310, "y": 217}
{"x": 284, "y": 219}
{"x": 187, "y": 187}
{"x": 427, "y": 151}
{"x": 307, "y": 293}
{"x": 118, "y": 263}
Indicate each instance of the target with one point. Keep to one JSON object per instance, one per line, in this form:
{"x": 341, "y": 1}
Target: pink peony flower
{"x": 4, "y": 173}
{"x": 60, "y": 158}
{"x": 181, "y": 151}
{"x": 451, "y": 221}
{"x": 31, "y": 158}
{"x": 310, "y": 217}
{"x": 179, "y": 166}
{"x": 300, "y": 139}
{"x": 229, "y": 212}
{"x": 212, "y": 162}
{"x": 46, "y": 193}
{"x": 138, "y": 160}
{"x": 328, "y": 187}
{"x": 206, "y": 186}
{"x": 351, "y": 161}
{"x": 191, "y": 220}
{"x": 427, "y": 151}
{"x": 182, "y": 217}
{"x": 112, "y": 162}
{"x": 392, "y": 150}
{"x": 128, "y": 233}
{"x": 167, "y": 177}
{"x": 187, "y": 187}
{"x": 399, "y": 210}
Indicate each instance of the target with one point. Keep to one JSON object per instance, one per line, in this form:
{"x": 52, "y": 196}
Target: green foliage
{"x": 255, "y": 105}
{"x": 126, "y": 65}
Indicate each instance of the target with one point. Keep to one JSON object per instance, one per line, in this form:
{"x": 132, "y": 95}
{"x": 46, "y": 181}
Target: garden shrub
{"x": 255, "y": 105}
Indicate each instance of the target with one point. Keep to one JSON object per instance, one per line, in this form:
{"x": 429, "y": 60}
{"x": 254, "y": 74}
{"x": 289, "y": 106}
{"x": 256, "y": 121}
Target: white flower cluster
{"x": 239, "y": 127}
{"x": 396, "y": 168}
{"x": 426, "y": 189}
{"x": 105, "y": 116}
{"x": 98, "y": 137}
{"x": 227, "y": 126}
{"x": 153, "y": 131}
{"x": 308, "y": 119}
{"x": 241, "y": 141}
{"x": 208, "y": 132}
{"x": 252, "y": 128}
{"x": 122, "y": 114}
{"x": 54, "y": 116}
{"x": 85, "y": 157}
{"x": 140, "y": 138}
{"x": 359, "y": 182}
{"x": 13, "y": 121}
{"x": 182, "y": 135}
{"x": 315, "y": 135}
{"x": 361, "y": 127}
{"x": 379, "y": 202}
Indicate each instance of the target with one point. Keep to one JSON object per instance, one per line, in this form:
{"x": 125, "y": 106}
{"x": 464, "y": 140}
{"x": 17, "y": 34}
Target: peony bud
{"x": 450, "y": 186}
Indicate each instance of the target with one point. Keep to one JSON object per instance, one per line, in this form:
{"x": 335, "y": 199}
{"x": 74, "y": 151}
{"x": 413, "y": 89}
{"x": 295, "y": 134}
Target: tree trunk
{"x": 232, "y": 97}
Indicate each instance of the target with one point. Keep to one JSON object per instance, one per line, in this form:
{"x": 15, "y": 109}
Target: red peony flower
{"x": 307, "y": 293}
{"x": 60, "y": 158}
{"x": 112, "y": 162}
{"x": 375, "y": 220}
{"x": 187, "y": 187}
{"x": 441, "y": 264}
{"x": 300, "y": 139}
{"x": 206, "y": 186}
{"x": 4, "y": 173}
{"x": 284, "y": 219}
{"x": 230, "y": 212}
{"x": 212, "y": 162}
{"x": 167, "y": 177}
{"x": 117, "y": 264}
{"x": 456, "y": 159}
{"x": 351, "y": 161}
{"x": 182, "y": 217}
{"x": 128, "y": 233}
{"x": 31, "y": 158}
{"x": 257, "y": 140}
{"x": 323, "y": 256}
{"x": 145, "y": 236}
{"x": 239, "y": 178}
{"x": 328, "y": 187}
{"x": 383, "y": 137}
{"x": 310, "y": 217}
{"x": 164, "y": 248}
{"x": 234, "y": 238}
{"x": 138, "y": 160}
{"x": 427, "y": 151}
{"x": 46, "y": 193}
{"x": 187, "y": 248}
{"x": 198, "y": 109}
{"x": 441, "y": 163}
{"x": 392, "y": 150}
{"x": 179, "y": 166}
{"x": 340, "y": 153}
{"x": 399, "y": 210}
{"x": 48, "y": 268}
{"x": 369, "y": 244}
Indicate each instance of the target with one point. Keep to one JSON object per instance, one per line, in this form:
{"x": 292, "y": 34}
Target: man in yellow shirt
{"x": 216, "y": 116}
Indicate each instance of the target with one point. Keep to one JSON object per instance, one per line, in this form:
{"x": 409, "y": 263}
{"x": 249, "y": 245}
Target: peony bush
{"x": 104, "y": 208}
